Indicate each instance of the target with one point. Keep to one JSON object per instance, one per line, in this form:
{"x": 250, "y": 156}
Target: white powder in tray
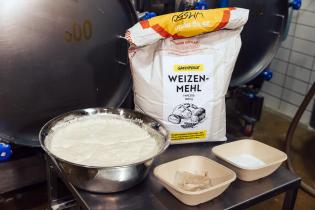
{"x": 246, "y": 160}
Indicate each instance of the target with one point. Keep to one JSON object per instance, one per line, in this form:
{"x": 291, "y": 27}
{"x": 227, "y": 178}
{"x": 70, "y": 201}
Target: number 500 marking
{"x": 79, "y": 32}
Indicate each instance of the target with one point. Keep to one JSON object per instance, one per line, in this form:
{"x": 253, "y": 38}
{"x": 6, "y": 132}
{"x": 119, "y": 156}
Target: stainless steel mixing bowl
{"x": 107, "y": 179}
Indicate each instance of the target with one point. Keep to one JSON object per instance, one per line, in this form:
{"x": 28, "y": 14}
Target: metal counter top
{"x": 150, "y": 194}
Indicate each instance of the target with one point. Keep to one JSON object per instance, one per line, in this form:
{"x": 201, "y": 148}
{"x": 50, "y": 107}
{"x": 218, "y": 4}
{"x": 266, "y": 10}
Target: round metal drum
{"x": 57, "y": 56}
{"x": 261, "y": 37}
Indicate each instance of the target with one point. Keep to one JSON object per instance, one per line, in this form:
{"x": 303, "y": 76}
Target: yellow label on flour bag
{"x": 181, "y": 72}
{"x": 186, "y": 24}
{"x": 182, "y": 136}
{"x": 188, "y": 67}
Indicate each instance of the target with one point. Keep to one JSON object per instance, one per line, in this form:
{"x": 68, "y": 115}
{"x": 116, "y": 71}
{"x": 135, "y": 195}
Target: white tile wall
{"x": 306, "y": 18}
{"x": 292, "y": 97}
{"x": 278, "y": 78}
{"x": 299, "y": 72}
{"x": 288, "y": 43}
{"x": 306, "y": 117}
{"x": 303, "y": 46}
{"x": 296, "y": 85}
{"x": 301, "y": 60}
{"x": 271, "y": 101}
{"x": 279, "y": 66}
{"x": 310, "y": 106}
{"x": 294, "y": 65}
{"x": 272, "y": 89}
{"x": 283, "y": 54}
{"x": 311, "y": 7}
{"x": 312, "y": 79}
{"x": 288, "y": 108}
{"x": 308, "y": 5}
{"x": 292, "y": 29}
{"x": 305, "y": 32}
{"x": 294, "y": 17}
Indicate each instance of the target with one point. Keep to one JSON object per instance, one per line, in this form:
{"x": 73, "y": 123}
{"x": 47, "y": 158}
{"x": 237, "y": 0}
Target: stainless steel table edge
{"x": 54, "y": 169}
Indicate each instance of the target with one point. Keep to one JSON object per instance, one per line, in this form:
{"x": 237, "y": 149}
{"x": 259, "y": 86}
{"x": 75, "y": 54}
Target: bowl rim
{"x": 199, "y": 192}
{"x": 106, "y": 110}
{"x": 224, "y": 158}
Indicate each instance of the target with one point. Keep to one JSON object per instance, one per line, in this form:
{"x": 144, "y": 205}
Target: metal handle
{"x": 122, "y": 51}
{"x": 279, "y": 33}
{"x": 138, "y": 4}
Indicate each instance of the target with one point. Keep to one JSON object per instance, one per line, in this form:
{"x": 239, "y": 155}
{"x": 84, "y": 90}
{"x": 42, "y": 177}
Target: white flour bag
{"x": 181, "y": 66}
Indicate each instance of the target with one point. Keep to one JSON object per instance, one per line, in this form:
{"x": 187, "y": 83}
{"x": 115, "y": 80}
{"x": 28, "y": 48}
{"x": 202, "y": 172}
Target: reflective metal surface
{"x": 108, "y": 179}
{"x": 261, "y": 37}
{"x": 151, "y": 195}
{"x": 57, "y": 56}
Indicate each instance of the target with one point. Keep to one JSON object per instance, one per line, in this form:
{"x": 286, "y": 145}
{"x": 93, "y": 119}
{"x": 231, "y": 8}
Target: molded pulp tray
{"x": 220, "y": 177}
{"x": 250, "y": 159}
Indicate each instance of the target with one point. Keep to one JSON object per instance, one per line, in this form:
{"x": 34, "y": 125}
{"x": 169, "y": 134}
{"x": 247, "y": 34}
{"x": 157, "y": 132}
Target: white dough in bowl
{"x": 101, "y": 141}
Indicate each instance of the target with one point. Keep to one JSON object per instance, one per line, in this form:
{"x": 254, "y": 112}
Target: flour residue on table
{"x": 101, "y": 141}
